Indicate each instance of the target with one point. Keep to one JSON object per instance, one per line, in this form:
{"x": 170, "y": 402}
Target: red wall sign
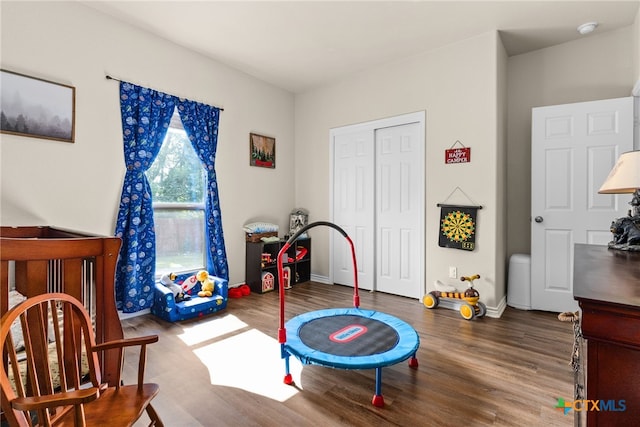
{"x": 457, "y": 155}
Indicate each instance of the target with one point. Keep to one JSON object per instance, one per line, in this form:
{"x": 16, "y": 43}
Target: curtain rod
{"x": 118, "y": 80}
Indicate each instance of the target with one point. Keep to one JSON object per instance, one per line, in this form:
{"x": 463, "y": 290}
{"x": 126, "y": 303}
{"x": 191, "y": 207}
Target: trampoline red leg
{"x": 413, "y": 362}
{"x": 288, "y": 379}
{"x": 378, "y": 400}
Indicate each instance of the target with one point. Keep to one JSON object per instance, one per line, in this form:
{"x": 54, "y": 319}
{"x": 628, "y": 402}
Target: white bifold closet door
{"x": 378, "y": 199}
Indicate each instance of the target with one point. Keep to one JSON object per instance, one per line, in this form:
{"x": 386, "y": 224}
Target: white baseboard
{"x": 496, "y": 312}
{"x": 320, "y": 279}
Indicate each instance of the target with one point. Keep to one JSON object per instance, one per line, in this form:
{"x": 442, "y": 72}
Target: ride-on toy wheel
{"x": 430, "y": 300}
{"x": 482, "y": 309}
{"x": 467, "y": 311}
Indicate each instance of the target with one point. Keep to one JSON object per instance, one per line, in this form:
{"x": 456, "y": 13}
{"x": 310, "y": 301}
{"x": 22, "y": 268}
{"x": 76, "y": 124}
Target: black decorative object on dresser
{"x": 261, "y": 271}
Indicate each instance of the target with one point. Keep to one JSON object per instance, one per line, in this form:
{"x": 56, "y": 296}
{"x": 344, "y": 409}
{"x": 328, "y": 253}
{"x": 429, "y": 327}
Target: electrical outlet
{"x": 453, "y": 272}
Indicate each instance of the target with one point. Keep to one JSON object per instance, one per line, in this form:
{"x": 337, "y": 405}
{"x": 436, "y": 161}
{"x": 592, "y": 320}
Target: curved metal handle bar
{"x": 282, "y": 333}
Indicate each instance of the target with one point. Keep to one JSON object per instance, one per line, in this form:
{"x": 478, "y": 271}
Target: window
{"x": 178, "y": 185}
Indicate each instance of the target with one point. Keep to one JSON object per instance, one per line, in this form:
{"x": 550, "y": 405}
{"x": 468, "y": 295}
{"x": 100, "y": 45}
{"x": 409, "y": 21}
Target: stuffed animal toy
{"x": 206, "y": 284}
{"x": 202, "y": 275}
{"x": 168, "y": 281}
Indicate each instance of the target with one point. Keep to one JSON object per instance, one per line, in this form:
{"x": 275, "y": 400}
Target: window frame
{"x": 183, "y": 206}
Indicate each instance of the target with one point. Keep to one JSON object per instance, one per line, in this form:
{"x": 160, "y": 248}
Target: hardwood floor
{"x": 225, "y": 369}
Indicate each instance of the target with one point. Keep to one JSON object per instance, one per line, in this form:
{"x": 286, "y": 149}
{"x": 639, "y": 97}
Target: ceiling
{"x": 298, "y": 45}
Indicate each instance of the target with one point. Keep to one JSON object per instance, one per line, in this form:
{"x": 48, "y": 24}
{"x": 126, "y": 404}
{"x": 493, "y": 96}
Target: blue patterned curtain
{"x": 200, "y": 121}
{"x": 146, "y": 114}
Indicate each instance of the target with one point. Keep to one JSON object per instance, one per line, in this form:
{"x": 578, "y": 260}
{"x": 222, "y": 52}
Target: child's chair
{"x": 56, "y": 380}
{"x": 166, "y": 307}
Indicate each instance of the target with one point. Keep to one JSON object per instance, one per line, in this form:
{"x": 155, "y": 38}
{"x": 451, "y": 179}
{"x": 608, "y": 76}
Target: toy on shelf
{"x": 265, "y": 259}
{"x": 268, "y": 281}
{"x": 467, "y": 302}
{"x": 301, "y": 252}
{"x": 286, "y": 277}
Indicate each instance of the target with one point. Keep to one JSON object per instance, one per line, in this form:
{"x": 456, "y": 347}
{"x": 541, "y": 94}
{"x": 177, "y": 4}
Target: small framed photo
{"x": 37, "y": 108}
{"x": 262, "y": 151}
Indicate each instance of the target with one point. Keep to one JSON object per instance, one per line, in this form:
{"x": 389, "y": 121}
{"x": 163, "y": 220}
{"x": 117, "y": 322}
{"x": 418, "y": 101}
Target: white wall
{"x": 501, "y": 170}
{"x": 78, "y": 185}
{"x": 636, "y": 43}
{"x": 599, "y": 66}
{"x": 456, "y": 86}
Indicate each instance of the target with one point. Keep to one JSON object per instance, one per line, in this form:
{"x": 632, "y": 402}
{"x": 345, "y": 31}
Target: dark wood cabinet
{"x": 607, "y": 287}
{"x": 261, "y": 269}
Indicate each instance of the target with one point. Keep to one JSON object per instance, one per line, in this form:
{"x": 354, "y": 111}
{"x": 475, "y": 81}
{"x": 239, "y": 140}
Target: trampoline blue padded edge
{"x": 408, "y": 341}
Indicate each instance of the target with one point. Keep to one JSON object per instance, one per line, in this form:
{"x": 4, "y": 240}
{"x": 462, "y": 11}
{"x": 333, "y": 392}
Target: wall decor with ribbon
{"x": 458, "y": 224}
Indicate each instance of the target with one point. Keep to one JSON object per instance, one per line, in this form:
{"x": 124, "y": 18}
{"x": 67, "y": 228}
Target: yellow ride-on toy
{"x": 467, "y": 302}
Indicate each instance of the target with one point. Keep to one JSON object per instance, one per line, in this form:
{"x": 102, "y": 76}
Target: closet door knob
{"x": 539, "y": 219}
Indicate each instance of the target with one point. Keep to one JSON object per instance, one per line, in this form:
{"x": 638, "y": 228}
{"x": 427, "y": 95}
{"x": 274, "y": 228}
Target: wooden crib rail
{"x": 50, "y": 259}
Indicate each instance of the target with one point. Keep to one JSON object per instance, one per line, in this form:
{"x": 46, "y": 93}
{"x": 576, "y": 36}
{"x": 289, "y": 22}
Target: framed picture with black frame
{"x": 36, "y": 108}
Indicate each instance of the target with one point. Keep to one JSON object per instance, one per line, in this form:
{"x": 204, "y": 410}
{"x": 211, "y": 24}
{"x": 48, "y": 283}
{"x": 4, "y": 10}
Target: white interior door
{"x": 353, "y": 206}
{"x": 574, "y": 147}
{"x": 399, "y": 209}
{"x": 378, "y": 199}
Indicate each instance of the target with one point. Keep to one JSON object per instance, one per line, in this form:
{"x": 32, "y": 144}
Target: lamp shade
{"x": 625, "y": 175}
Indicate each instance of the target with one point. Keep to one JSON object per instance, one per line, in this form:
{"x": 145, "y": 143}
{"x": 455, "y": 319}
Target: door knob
{"x": 539, "y": 219}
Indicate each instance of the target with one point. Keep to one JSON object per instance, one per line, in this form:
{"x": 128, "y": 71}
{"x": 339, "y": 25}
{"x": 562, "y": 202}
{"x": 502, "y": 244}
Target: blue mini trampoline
{"x": 345, "y": 338}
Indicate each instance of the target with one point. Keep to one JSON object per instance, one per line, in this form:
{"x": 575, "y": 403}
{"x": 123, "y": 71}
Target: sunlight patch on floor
{"x": 250, "y": 361}
{"x": 211, "y": 329}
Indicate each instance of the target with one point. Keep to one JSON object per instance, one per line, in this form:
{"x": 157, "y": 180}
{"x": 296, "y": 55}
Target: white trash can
{"x": 519, "y": 285}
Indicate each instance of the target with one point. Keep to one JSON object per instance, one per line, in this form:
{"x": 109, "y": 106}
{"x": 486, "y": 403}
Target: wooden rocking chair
{"x": 54, "y": 378}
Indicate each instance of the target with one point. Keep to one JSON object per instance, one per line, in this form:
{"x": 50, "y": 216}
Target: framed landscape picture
{"x": 262, "y": 151}
{"x": 36, "y": 108}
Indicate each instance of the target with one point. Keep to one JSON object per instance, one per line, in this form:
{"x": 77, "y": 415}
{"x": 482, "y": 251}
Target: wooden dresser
{"x": 607, "y": 287}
